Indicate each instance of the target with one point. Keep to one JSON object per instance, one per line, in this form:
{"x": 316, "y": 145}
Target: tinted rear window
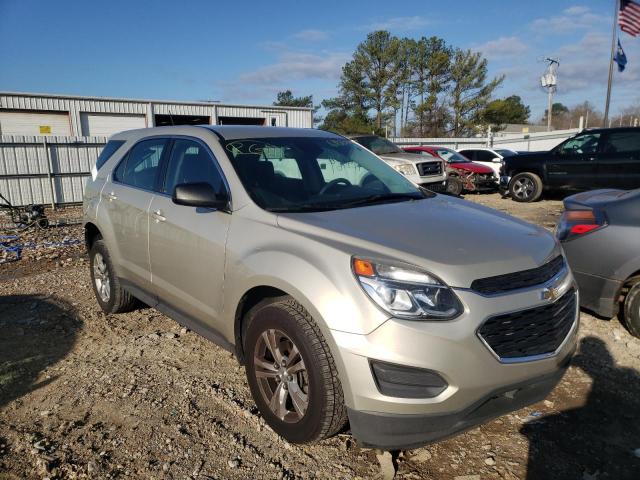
{"x": 109, "y": 149}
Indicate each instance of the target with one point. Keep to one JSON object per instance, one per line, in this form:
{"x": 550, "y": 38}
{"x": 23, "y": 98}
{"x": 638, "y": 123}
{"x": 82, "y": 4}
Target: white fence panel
{"x": 50, "y": 170}
{"x": 518, "y": 141}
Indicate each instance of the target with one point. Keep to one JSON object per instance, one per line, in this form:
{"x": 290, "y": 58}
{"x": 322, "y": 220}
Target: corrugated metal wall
{"x": 290, "y": 117}
{"x": 49, "y": 170}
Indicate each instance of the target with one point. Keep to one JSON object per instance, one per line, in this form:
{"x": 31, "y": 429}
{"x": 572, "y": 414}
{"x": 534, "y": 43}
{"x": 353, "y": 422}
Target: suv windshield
{"x": 378, "y": 145}
{"x": 451, "y": 156}
{"x": 313, "y": 174}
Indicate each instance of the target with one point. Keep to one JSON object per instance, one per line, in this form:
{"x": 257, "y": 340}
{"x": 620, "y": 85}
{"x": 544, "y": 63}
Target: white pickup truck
{"x": 423, "y": 170}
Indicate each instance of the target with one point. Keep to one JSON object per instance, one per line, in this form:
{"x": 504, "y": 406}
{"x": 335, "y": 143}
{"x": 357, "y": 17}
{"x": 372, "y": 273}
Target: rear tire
{"x": 111, "y": 297}
{"x": 291, "y": 372}
{"x": 525, "y": 187}
{"x": 631, "y": 310}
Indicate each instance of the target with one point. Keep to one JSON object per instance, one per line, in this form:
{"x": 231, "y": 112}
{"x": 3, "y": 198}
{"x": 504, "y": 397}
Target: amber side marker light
{"x": 363, "y": 268}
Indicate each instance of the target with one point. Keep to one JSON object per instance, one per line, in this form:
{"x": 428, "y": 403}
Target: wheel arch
{"x": 250, "y": 299}
{"x": 91, "y": 232}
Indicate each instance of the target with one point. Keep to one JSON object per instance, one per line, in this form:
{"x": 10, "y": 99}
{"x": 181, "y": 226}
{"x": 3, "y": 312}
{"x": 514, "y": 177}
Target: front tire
{"x": 111, "y": 297}
{"x": 525, "y": 187}
{"x": 632, "y": 309}
{"x": 291, "y": 372}
{"x": 454, "y": 186}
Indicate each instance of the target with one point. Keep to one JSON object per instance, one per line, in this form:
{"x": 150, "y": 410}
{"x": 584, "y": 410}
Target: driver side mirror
{"x": 497, "y": 160}
{"x": 199, "y": 194}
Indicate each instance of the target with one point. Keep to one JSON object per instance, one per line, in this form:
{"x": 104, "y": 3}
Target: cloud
{"x": 292, "y": 65}
{"x": 399, "y": 24}
{"x": 571, "y": 19}
{"x": 311, "y": 35}
{"x": 503, "y": 47}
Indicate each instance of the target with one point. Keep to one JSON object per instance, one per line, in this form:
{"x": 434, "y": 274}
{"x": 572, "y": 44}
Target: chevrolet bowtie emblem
{"x": 550, "y": 293}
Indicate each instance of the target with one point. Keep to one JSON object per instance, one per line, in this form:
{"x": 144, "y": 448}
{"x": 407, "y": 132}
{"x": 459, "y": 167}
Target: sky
{"x": 247, "y": 51}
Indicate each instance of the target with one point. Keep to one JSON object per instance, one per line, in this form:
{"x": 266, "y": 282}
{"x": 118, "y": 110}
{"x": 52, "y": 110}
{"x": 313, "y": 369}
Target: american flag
{"x": 629, "y": 18}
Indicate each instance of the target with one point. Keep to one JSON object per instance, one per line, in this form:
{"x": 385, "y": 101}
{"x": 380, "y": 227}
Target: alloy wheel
{"x": 281, "y": 375}
{"x": 101, "y": 277}
{"x": 523, "y": 188}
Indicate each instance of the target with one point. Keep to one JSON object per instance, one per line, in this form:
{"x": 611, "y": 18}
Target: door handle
{"x": 112, "y": 196}
{"x": 592, "y": 159}
{"x": 157, "y": 214}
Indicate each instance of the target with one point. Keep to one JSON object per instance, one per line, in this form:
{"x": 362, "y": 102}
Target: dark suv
{"x": 598, "y": 158}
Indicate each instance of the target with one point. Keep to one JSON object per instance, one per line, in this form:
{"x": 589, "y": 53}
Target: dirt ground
{"x": 88, "y": 395}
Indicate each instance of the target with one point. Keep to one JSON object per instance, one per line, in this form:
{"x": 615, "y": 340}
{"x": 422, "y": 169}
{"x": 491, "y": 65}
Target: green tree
{"x": 372, "y": 71}
{"x": 286, "y": 99}
{"x": 347, "y": 115}
{"x": 345, "y": 123}
{"x": 470, "y": 91}
{"x": 506, "y": 110}
{"x": 431, "y": 63}
{"x": 558, "y": 111}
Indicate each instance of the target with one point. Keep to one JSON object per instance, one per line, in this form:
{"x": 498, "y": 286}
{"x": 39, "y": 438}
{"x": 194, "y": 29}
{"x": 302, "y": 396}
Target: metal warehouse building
{"x": 48, "y": 143}
{"x": 62, "y": 115}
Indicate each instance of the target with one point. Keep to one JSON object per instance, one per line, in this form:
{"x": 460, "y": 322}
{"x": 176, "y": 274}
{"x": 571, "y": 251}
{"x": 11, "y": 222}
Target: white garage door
{"x": 34, "y": 123}
{"x": 106, "y": 124}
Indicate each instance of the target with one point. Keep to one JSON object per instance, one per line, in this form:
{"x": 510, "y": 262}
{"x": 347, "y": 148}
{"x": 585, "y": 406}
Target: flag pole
{"x": 613, "y": 49}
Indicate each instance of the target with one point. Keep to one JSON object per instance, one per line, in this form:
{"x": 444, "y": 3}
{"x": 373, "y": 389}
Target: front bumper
{"x": 483, "y": 184}
{"x": 503, "y": 185}
{"x": 438, "y": 187}
{"x": 404, "y": 432}
{"x": 453, "y": 350}
{"x": 427, "y": 180}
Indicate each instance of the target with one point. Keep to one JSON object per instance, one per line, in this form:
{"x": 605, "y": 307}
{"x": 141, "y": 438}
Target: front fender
{"x": 335, "y": 300}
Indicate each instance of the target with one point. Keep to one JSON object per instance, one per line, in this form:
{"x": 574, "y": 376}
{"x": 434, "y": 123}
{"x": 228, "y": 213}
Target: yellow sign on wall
{"x": 45, "y": 129}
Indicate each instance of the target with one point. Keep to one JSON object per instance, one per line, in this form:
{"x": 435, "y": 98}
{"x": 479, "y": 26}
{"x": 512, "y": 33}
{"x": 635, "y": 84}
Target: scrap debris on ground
{"x": 89, "y": 395}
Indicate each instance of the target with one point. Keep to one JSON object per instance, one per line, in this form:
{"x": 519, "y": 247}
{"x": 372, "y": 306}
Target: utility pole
{"x": 549, "y": 81}
{"x": 613, "y": 50}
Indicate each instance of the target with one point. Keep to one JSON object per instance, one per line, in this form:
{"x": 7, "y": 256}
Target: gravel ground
{"x": 88, "y": 395}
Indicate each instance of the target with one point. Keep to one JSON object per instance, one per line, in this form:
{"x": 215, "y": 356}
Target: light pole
{"x": 549, "y": 81}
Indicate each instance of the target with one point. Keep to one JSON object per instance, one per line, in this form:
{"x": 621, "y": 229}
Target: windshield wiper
{"x": 303, "y": 208}
{"x": 383, "y": 197}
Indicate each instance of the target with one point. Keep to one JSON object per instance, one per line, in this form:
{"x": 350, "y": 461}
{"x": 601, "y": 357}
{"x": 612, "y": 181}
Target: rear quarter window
{"x": 109, "y": 149}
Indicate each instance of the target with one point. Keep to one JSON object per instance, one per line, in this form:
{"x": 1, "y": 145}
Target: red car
{"x": 463, "y": 174}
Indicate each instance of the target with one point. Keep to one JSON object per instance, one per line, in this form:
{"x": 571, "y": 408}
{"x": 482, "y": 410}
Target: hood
{"x": 399, "y": 158}
{"x": 471, "y": 167}
{"x": 454, "y": 239}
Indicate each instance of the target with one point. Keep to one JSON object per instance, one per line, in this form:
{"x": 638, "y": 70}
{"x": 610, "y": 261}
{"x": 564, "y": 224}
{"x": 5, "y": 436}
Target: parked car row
{"x": 348, "y": 293}
{"x": 463, "y": 174}
{"x": 438, "y": 168}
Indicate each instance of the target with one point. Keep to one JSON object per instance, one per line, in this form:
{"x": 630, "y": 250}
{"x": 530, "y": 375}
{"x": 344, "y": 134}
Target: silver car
{"x": 374, "y": 302}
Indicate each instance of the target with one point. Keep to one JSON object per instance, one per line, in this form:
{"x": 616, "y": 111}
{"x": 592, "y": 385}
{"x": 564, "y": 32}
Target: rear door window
{"x": 621, "y": 142}
{"x": 109, "y": 149}
{"x": 140, "y": 167}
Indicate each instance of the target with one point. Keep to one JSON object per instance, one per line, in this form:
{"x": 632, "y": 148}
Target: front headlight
{"x": 406, "y": 292}
{"x": 406, "y": 169}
